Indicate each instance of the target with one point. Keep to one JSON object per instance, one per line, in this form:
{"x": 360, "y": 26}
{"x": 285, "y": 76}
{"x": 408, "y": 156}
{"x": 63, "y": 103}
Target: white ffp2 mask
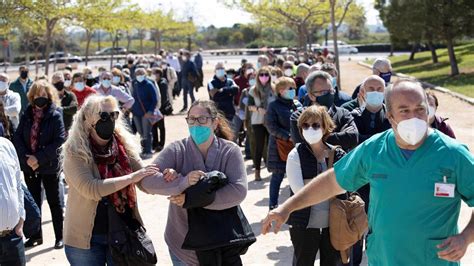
{"x": 412, "y": 130}
{"x": 312, "y": 135}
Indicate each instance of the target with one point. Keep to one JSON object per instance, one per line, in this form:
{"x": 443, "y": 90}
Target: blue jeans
{"x": 12, "y": 250}
{"x": 275, "y": 183}
{"x": 97, "y": 255}
{"x": 175, "y": 260}
{"x": 144, "y": 129}
{"x": 187, "y": 89}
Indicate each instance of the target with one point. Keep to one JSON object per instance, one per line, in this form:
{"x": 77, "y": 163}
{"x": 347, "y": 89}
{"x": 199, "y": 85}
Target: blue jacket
{"x": 50, "y": 138}
{"x": 225, "y": 99}
{"x": 144, "y": 94}
{"x": 188, "y": 68}
{"x": 277, "y": 122}
{"x": 198, "y": 61}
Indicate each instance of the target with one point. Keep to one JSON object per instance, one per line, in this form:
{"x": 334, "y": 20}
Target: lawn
{"x": 438, "y": 74}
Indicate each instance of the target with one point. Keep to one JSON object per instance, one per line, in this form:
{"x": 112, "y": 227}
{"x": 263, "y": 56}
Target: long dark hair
{"x": 223, "y": 129}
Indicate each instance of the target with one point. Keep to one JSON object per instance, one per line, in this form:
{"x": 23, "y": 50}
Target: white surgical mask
{"x": 106, "y": 83}
{"x": 431, "y": 111}
{"x": 67, "y": 83}
{"x": 3, "y": 86}
{"x": 312, "y": 135}
{"x": 412, "y": 130}
{"x": 220, "y": 73}
{"x": 288, "y": 72}
{"x": 115, "y": 80}
{"x": 374, "y": 98}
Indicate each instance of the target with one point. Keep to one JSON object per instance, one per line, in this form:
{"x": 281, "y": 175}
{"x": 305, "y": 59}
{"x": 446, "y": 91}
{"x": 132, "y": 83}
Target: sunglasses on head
{"x": 106, "y": 115}
{"x": 264, "y": 75}
{"x": 313, "y": 125}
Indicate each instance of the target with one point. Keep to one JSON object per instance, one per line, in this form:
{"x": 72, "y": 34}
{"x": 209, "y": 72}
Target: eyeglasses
{"x": 201, "y": 120}
{"x": 104, "y": 116}
{"x": 313, "y": 125}
{"x": 264, "y": 75}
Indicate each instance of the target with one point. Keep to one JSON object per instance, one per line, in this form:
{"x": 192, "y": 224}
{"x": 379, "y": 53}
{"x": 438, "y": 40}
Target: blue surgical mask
{"x": 200, "y": 134}
{"x": 386, "y": 76}
{"x": 334, "y": 82}
{"x": 116, "y": 80}
{"x": 289, "y": 94}
{"x": 374, "y": 98}
{"x": 220, "y": 73}
{"x": 106, "y": 83}
{"x": 79, "y": 86}
{"x": 140, "y": 78}
{"x": 252, "y": 82}
{"x": 230, "y": 76}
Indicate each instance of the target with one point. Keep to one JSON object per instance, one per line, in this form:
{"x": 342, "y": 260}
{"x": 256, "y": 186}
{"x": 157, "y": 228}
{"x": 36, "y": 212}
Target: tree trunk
{"x": 159, "y": 41}
{"x": 141, "y": 41}
{"x": 36, "y": 62}
{"x": 49, "y": 32}
{"x": 98, "y": 40}
{"x": 301, "y": 38}
{"x": 114, "y": 40}
{"x": 155, "y": 39}
{"x": 452, "y": 57}
{"x": 27, "y": 51}
{"x": 88, "y": 42}
{"x": 434, "y": 56}
{"x": 334, "y": 38}
{"x": 391, "y": 48}
{"x": 129, "y": 40}
{"x": 414, "y": 47}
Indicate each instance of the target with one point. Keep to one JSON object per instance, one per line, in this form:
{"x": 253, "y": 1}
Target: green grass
{"x": 438, "y": 74}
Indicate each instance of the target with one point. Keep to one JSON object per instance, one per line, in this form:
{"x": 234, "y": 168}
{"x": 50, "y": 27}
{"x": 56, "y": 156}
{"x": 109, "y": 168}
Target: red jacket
{"x": 243, "y": 83}
{"x": 82, "y": 95}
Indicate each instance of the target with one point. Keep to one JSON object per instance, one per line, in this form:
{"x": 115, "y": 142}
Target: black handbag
{"x": 128, "y": 242}
{"x": 167, "y": 108}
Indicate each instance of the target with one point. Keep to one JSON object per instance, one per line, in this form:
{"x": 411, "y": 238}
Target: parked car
{"x": 109, "y": 50}
{"x": 62, "y": 57}
{"x": 342, "y": 47}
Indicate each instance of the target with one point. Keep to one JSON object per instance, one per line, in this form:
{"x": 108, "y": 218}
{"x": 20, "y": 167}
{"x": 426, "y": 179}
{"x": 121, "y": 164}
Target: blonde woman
{"x": 37, "y": 139}
{"x": 101, "y": 167}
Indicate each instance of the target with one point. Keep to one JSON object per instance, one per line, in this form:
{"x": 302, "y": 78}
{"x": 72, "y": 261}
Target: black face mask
{"x": 41, "y": 101}
{"x": 24, "y": 74}
{"x": 59, "y": 86}
{"x": 105, "y": 128}
{"x": 326, "y": 100}
{"x": 130, "y": 62}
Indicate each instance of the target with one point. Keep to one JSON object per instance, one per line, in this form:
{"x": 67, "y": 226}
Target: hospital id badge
{"x": 444, "y": 190}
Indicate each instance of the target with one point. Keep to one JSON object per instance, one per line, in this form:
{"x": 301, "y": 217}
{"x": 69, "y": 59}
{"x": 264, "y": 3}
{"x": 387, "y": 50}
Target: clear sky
{"x": 212, "y": 12}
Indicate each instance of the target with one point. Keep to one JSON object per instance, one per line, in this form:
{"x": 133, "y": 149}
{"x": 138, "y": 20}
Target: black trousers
{"x": 159, "y": 140}
{"x": 51, "y": 187}
{"x": 225, "y": 256}
{"x": 307, "y": 242}
{"x": 261, "y": 139}
{"x": 12, "y": 250}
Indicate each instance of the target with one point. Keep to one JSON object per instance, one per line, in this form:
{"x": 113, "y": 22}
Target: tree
{"x": 355, "y": 21}
{"x": 302, "y": 16}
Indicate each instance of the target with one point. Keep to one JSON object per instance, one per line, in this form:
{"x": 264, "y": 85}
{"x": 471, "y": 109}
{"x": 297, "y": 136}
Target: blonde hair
{"x": 78, "y": 144}
{"x": 317, "y": 113}
{"x": 39, "y": 85}
{"x": 283, "y": 83}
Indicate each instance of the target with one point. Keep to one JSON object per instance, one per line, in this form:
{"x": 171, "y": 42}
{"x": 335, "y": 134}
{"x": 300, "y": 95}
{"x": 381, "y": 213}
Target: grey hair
{"x": 59, "y": 75}
{"x": 301, "y": 67}
{"x": 403, "y": 84}
{"x": 105, "y": 73}
{"x": 316, "y": 75}
{"x": 381, "y": 62}
{"x": 140, "y": 69}
{"x": 5, "y": 76}
{"x": 220, "y": 64}
{"x": 314, "y": 67}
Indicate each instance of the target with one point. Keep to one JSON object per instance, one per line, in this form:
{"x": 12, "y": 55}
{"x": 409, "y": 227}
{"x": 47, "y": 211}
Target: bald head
{"x": 373, "y": 83}
{"x": 405, "y": 89}
{"x": 219, "y": 65}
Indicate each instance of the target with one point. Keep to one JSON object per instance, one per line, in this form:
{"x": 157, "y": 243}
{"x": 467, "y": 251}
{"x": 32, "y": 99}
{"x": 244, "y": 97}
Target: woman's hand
{"x": 194, "y": 177}
{"x": 149, "y": 170}
{"x": 32, "y": 162}
{"x": 178, "y": 199}
{"x": 170, "y": 174}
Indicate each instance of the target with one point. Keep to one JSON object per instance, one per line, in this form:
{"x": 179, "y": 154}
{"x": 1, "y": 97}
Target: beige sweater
{"x": 86, "y": 189}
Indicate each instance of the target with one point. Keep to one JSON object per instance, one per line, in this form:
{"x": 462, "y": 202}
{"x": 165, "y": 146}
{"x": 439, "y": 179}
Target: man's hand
{"x": 19, "y": 228}
{"x": 178, "y": 199}
{"x": 279, "y": 216}
{"x": 170, "y": 174}
{"x": 454, "y": 248}
{"x": 194, "y": 177}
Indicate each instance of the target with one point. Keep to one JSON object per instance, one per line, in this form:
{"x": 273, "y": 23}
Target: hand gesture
{"x": 170, "y": 174}
{"x": 32, "y": 162}
{"x": 194, "y": 176}
{"x": 149, "y": 170}
{"x": 454, "y": 248}
{"x": 178, "y": 199}
{"x": 279, "y": 216}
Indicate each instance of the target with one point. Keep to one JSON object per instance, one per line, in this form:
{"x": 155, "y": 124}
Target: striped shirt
{"x": 11, "y": 193}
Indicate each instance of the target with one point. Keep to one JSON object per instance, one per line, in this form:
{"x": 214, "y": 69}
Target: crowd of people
{"x": 79, "y": 130}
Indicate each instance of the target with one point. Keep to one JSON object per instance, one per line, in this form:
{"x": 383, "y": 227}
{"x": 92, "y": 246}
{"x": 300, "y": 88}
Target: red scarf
{"x": 37, "y": 117}
{"x": 112, "y": 161}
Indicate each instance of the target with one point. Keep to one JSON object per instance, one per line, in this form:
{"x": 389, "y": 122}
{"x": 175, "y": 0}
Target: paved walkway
{"x": 270, "y": 249}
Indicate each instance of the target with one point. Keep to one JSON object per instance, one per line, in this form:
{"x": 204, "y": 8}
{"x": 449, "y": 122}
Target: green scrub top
{"x": 406, "y": 220}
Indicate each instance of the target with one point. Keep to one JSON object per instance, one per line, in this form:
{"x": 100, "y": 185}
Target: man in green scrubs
{"x": 418, "y": 177}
